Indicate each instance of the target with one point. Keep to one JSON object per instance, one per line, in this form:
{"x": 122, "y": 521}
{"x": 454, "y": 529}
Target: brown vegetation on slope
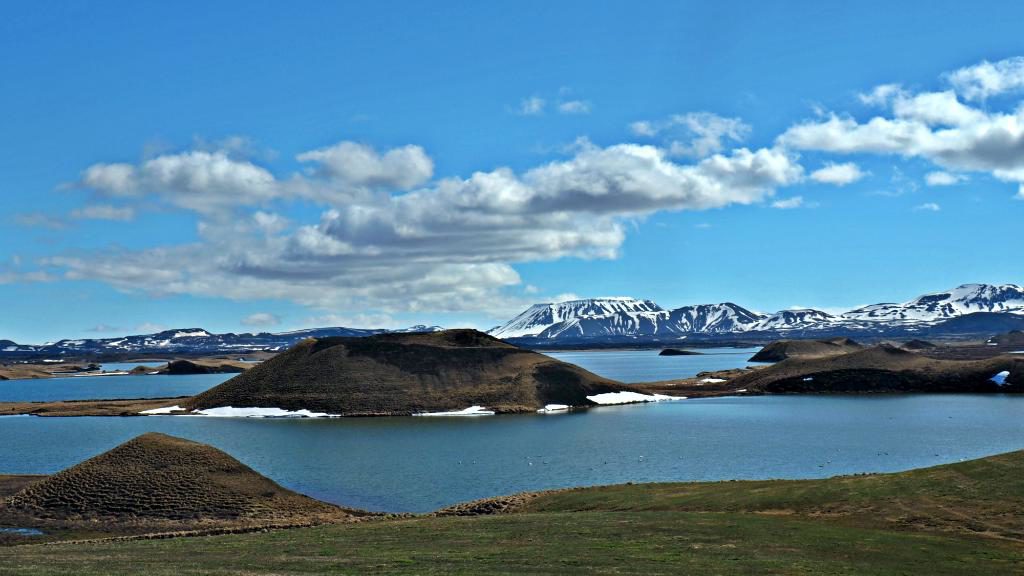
{"x": 159, "y": 481}
{"x": 782, "y": 349}
{"x": 883, "y": 368}
{"x": 401, "y": 374}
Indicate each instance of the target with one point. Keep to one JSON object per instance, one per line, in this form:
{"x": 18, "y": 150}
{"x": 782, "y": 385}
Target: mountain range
{"x": 969, "y": 309}
{"x": 191, "y": 341}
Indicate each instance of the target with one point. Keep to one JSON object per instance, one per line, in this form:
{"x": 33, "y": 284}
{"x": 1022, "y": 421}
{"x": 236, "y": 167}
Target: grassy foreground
{"x": 957, "y": 519}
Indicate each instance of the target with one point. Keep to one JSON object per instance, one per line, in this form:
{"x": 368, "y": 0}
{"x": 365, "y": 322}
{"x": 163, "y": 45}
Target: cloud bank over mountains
{"x": 392, "y": 236}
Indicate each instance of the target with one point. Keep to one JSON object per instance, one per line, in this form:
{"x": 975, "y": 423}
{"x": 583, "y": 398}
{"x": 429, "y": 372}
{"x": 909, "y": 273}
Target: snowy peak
{"x": 712, "y": 318}
{"x": 564, "y": 317}
{"x": 965, "y": 299}
{"x": 632, "y": 318}
{"x": 801, "y": 319}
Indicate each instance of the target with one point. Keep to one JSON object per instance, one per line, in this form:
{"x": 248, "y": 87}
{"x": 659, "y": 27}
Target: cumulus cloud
{"x": 935, "y": 126}
{"x": 940, "y": 178}
{"x": 838, "y": 174}
{"x": 261, "y": 319}
{"x": 927, "y": 207}
{"x": 695, "y": 134}
{"x": 789, "y": 203}
{"x": 104, "y": 212}
{"x": 449, "y": 246}
{"x": 196, "y": 180}
{"x": 880, "y": 95}
{"x": 987, "y": 79}
{"x": 362, "y": 166}
{"x": 215, "y": 182}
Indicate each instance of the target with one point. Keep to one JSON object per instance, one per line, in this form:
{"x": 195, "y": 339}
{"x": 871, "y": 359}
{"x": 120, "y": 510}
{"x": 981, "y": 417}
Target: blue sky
{"x": 263, "y": 166}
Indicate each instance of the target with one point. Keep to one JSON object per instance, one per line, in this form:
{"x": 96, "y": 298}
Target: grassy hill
{"x": 961, "y": 518}
{"x": 400, "y": 374}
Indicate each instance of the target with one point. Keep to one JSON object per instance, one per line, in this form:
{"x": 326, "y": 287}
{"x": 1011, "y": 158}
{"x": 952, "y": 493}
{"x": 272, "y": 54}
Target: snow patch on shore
{"x": 550, "y": 408}
{"x": 164, "y": 410}
{"x": 471, "y": 411}
{"x": 713, "y": 380}
{"x": 252, "y": 412}
{"x": 624, "y": 397}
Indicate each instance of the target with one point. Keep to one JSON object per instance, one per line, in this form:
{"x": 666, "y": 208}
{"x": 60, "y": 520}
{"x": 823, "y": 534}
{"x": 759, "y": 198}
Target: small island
{"x": 678, "y": 352}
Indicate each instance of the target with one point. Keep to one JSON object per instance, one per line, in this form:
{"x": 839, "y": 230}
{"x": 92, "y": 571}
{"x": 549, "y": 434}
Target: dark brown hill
{"x": 883, "y": 368}
{"x": 915, "y": 345}
{"x": 1011, "y": 338}
{"x": 401, "y": 374}
{"x": 782, "y": 349}
{"x": 156, "y": 479}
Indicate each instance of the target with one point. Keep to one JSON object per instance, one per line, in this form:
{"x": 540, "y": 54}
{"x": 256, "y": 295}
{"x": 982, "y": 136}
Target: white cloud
{"x": 838, "y": 174}
{"x": 215, "y": 182}
{"x": 150, "y": 328}
{"x": 941, "y": 178}
{"x": 574, "y": 107}
{"x": 789, "y": 203}
{"x": 449, "y": 246}
{"x": 695, "y": 134}
{"x": 935, "y": 126}
{"x": 261, "y": 319}
{"x": 532, "y": 106}
{"x": 104, "y": 212}
{"x": 360, "y": 165}
{"x": 643, "y": 128}
{"x": 987, "y": 79}
{"x": 197, "y": 180}
{"x": 104, "y": 328}
{"x": 880, "y": 95}
{"x": 928, "y": 207}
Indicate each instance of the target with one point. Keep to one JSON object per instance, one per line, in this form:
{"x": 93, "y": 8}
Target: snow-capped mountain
{"x": 967, "y": 308}
{"x": 622, "y": 316}
{"x": 965, "y": 299}
{"x": 607, "y": 316}
{"x": 800, "y": 319}
{"x": 712, "y": 318}
{"x": 187, "y": 341}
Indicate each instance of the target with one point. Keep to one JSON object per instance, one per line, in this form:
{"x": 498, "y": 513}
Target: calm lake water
{"x": 420, "y": 464}
{"x": 107, "y": 387}
{"x": 647, "y": 366}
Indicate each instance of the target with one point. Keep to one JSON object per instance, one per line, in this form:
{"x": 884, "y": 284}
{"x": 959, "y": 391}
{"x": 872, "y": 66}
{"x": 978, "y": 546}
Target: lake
{"x": 107, "y": 387}
{"x": 420, "y": 464}
{"x": 624, "y": 365}
{"x": 647, "y": 366}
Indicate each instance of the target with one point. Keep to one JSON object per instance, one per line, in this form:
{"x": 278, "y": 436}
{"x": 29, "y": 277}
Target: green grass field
{"x": 958, "y": 519}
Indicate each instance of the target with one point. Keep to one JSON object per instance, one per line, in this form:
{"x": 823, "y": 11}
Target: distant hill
{"x": 1011, "y": 338}
{"x": 162, "y": 480}
{"x": 185, "y": 341}
{"x": 782, "y": 349}
{"x": 884, "y": 368}
{"x": 401, "y": 374}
